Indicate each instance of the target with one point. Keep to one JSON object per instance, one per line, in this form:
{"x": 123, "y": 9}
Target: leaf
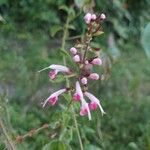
{"x": 98, "y": 33}
{"x": 145, "y": 40}
{"x": 55, "y": 29}
{"x": 55, "y": 145}
{"x": 64, "y": 8}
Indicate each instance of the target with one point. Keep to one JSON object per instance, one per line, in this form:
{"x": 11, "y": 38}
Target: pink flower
{"x": 55, "y": 69}
{"x": 84, "y": 81}
{"x": 78, "y": 94}
{"x": 94, "y": 102}
{"x": 73, "y": 50}
{"x": 84, "y": 105}
{"x": 96, "y": 61}
{"x": 76, "y": 58}
{"x": 88, "y": 18}
{"x": 103, "y": 16}
{"x": 93, "y": 17}
{"x": 93, "y": 76}
{"x": 53, "y": 98}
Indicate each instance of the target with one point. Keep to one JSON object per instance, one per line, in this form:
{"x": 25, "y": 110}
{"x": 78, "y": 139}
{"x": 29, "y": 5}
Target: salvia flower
{"x": 94, "y": 102}
{"x": 85, "y": 57}
{"x": 55, "y": 69}
{"x": 53, "y": 98}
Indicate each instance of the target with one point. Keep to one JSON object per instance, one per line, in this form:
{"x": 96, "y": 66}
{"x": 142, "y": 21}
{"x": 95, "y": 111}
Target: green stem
{"x": 7, "y": 136}
{"x": 67, "y": 81}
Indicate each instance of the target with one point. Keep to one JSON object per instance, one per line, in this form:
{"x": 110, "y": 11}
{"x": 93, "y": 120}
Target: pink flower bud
{"x": 84, "y": 81}
{"x": 96, "y": 61}
{"x": 94, "y": 76}
{"x": 76, "y": 97}
{"x": 73, "y": 50}
{"x": 86, "y": 62}
{"x": 88, "y": 18}
{"x": 103, "y": 16}
{"x": 93, "y": 17}
{"x": 76, "y": 58}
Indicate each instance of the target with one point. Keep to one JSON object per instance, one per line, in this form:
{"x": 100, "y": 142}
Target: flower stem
{"x": 67, "y": 80}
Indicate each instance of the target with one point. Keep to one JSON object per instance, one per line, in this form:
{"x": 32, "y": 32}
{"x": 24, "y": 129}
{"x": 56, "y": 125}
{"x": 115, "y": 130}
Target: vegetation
{"x": 31, "y": 38}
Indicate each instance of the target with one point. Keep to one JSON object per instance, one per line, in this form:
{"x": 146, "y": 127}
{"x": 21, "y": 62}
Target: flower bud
{"x": 103, "y": 16}
{"x": 76, "y": 58}
{"x": 93, "y": 17}
{"x": 73, "y": 50}
{"x": 88, "y": 18}
{"x": 96, "y": 61}
{"x": 94, "y": 76}
{"x": 84, "y": 81}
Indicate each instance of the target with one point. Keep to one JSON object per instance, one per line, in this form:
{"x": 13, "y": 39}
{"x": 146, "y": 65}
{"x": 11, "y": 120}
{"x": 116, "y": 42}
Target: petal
{"x": 85, "y": 109}
{"x": 59, "y": 68}
{"x": 76, "y": 97}
{"x": 78, "y": 89}
{"x": 52, "y": 74}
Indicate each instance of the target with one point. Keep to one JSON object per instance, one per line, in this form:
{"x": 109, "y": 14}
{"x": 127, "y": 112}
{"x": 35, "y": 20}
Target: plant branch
{"x": 68, "y": 83}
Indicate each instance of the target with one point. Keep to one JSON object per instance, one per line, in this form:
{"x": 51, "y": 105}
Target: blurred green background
{"x": 30, "y": 36}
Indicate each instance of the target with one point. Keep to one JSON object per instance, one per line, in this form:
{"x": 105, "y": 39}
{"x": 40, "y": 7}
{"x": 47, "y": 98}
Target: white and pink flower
{"x": 94, "y": 102}
{"x": 55, "y": 69}
{"x": 53, "y": 98}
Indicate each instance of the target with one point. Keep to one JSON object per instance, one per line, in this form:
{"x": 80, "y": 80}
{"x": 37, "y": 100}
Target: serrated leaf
{"x": 145, "y": 40}
{"x": 55, "y": 29}
{"x": 56, "y": 145}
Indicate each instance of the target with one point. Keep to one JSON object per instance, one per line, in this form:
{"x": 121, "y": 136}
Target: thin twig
{"x": 7, "y": 136}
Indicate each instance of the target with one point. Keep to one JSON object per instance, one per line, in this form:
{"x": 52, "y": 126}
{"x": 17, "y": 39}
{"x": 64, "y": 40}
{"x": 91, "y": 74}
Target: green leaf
{"x": 55, "y": 29}
{"x": 55, "y": 145}
{"x": 98, "y": 33}
{"x": 145, "y": 40}
{"x": 92, "y": 147}
{"x": 64, "y": 8}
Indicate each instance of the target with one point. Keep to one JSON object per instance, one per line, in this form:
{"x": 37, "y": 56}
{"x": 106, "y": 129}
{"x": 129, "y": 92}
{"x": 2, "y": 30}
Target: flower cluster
{"x": 84, "y": 73}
